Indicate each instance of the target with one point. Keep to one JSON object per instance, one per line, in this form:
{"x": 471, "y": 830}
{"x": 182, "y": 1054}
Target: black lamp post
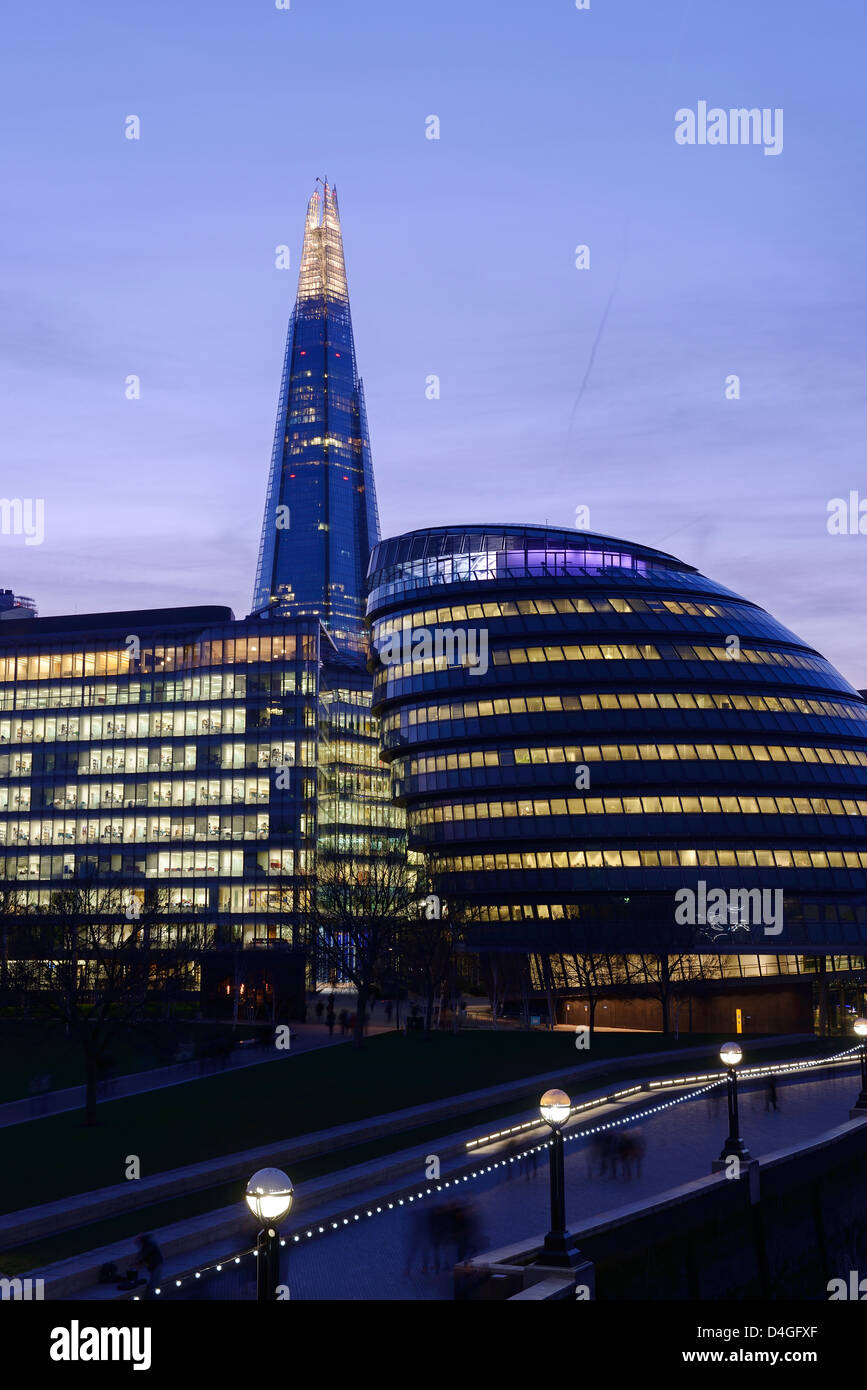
{"x": 860, "y": 1026}
{"x": 269, "y": 1197}
{"x": 560, "y": 1249}
{"x": 731, "y": 1057}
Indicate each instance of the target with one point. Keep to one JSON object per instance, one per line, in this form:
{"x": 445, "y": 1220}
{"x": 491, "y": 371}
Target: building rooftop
{"x": 124, "y": 621}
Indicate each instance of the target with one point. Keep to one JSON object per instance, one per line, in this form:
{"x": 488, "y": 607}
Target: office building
{"x": 590, "y": 738}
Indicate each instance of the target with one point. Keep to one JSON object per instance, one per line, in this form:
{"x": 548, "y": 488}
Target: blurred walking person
{"x": 630, "y": 1155}
{"x": 150, "y": 1257}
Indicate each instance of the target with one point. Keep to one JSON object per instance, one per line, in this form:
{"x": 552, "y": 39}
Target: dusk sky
{"x": 156, "y": 257}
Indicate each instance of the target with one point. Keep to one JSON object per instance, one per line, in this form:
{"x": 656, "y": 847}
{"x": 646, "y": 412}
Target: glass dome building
{"x": 603, "y": 752}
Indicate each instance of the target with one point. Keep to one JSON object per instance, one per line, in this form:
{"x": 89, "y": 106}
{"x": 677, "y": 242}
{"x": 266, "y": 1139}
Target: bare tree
{"x": 427, "y": 954}
{"x": 358, "y": 911}
{"x": 668, "y": 965}
{"x": 690, "y": 969}
{"x": 14, "y": 916}
{"x": 91, "y": 963}
{"x": 588, "y": 969}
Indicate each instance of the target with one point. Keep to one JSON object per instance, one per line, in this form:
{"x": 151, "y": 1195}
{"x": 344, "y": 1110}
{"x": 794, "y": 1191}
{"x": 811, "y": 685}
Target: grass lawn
{"x": 58, "y": 1156}
{"x": 39, "y": 1047}
{"x": 121, "y": 1226}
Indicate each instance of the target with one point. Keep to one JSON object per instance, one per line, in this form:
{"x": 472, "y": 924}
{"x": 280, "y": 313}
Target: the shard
{"x": 321, "y": 517}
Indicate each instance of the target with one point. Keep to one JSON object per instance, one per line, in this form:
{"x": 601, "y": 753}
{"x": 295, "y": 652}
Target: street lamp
{"x": 555, "y": 1108}
{"x": 731, "y": 1056}
{"x": 269, "y": 1197}
{"x": 860, "y": 1026}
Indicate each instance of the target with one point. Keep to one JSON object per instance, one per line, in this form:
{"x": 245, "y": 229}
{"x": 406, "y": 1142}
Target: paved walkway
{"x": 384, "y": 1256}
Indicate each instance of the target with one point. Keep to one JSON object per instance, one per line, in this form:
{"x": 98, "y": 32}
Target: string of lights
{"x": 710, "y": 1080}
{"x": 716, "y": 1078}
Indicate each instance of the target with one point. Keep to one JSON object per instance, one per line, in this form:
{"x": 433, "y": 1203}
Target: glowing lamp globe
{"x": 731, "y": 1054}
{"x": 860, "y": 1026}
{"x": 269, "y": 1195}
{"x": 555, "y": 1108}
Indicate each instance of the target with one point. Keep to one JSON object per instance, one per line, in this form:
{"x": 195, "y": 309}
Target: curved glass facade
{"x": 599, "y": 748}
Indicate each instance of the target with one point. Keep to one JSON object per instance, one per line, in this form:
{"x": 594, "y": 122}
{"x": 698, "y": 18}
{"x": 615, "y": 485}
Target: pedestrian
{"x": 595, "y": 1157}
{"x": 319, "y": 1009}
{"x": 150, "y": 1257}
{"x": 604, "y": 1155}
{"x": 771, "y": 1094}
{"x": 343, "y": 1020}
{"x": 630, "y": 1155}
{"x": 329, "y": 1015}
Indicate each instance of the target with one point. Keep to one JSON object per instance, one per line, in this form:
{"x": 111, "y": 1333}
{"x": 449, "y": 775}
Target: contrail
{"x": 600, "y": 330}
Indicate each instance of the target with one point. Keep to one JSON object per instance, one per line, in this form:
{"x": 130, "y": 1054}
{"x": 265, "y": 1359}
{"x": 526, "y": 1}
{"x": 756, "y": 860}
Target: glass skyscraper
{"x": 321, "y": 517}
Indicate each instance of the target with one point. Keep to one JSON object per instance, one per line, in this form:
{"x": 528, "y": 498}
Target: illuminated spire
{"x": 323, "y": 271}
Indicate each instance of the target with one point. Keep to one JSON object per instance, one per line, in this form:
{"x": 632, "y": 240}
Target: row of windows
{"x": 168, "y": 757}
{"x": 609, "y": 651}
{"x": 121, "y": 661}
{"x": 355, "y": 782}
{"x": 351, "y": 720}
{"x": 359, "y": 754}
{"x": 197, "y": 862}
{"x": 499, "y": 563}
{"x": 227, "y": 863}
{"x": 214, "y": 791}
{"x": 179, "y": 757}
{"x": 217, "y": 687}
{"x": 472, "y": 612}
{"x": 158, "y": 692}
{"x": 186, "y": 897}
{"x": 654, "y": 859}
{"x": 132, "y": 830}
{"x": 499, "y": 912}
{"x": 631, "y": 752}
{"x": 537, "y": 704}
{"x": 613, "y": 969}
{"x": 229, "y": 719}
{"x": 638, "y": 805}
{"x": 337, "y": 810}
